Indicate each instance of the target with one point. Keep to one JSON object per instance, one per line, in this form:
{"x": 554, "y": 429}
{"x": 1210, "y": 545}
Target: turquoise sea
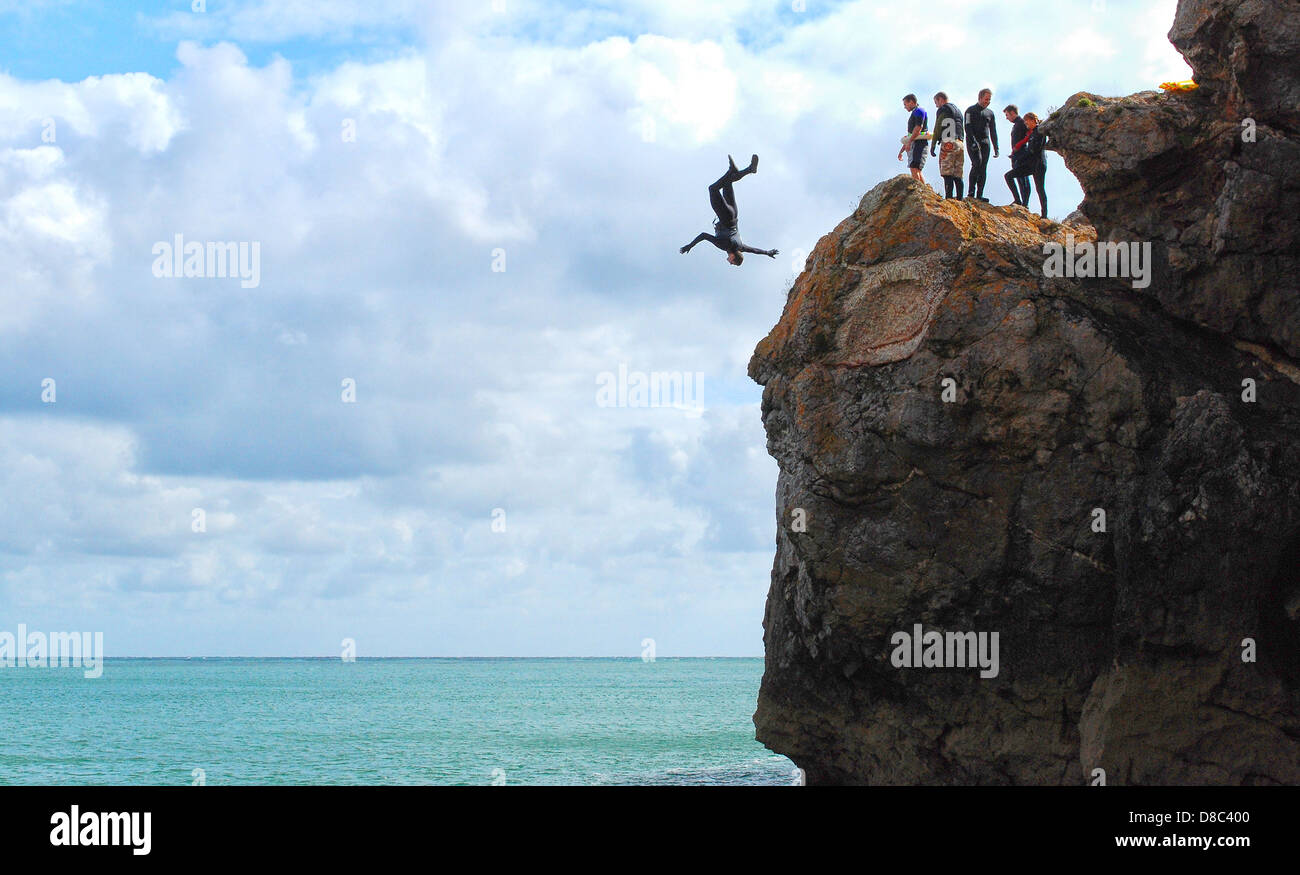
{"x": 386, "y": 721}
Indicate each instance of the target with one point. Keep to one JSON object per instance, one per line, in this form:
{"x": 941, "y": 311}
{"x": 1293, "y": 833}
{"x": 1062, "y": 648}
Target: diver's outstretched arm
{"x": 770, "y": 253}
{"x": 700, "y": 239}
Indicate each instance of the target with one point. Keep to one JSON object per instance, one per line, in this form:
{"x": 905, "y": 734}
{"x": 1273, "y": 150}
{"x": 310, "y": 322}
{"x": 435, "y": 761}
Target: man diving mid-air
{"x": 726, "y": 235}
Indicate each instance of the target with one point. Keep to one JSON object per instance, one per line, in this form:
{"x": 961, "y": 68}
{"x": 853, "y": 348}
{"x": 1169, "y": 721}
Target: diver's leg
{"x": 735, "y": 173}
{"x": 980, "y": 175}
{"x": 723, "y": 200}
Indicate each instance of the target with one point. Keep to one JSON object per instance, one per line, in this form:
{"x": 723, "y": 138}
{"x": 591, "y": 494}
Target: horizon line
{"x": 358, "y": 658}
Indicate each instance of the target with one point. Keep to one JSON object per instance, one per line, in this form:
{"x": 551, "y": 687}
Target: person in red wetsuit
{"x": 1029, "y": 160}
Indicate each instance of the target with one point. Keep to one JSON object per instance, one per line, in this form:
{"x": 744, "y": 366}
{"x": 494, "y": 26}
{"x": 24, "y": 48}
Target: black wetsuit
{"x": 948, "y": 126}
{"x": 1031, "y": 161}
{"x": 1019, "y": 188}
{"x": 726, "y": 234}
{"x": 980, "y": 127}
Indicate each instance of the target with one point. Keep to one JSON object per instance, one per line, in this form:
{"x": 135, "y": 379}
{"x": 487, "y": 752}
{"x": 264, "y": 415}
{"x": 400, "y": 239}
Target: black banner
{"x": 726, "y": 824}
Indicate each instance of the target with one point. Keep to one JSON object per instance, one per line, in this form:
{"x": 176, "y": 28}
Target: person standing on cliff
{"x": 1019, "y": 131}
{"x": 1030, "y": 160}
{"x": 949, "y": 132}
{"x": 914, "y": 142}
{"x": 980, "y": 127}
{"x": 726, "y": 234}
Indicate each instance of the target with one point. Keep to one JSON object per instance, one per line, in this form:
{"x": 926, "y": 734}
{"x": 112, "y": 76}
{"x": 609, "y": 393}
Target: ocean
{"x": 387, "y": 721}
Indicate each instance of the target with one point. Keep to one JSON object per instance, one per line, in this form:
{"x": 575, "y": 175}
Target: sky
{"x": 466, "y": 217}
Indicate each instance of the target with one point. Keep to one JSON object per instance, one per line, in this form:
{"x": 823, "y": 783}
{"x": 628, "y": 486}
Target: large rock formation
{"x": 1073, "y": 403}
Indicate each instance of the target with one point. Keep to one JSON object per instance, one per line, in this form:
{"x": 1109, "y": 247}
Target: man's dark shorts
{"x": 918, "y": 154}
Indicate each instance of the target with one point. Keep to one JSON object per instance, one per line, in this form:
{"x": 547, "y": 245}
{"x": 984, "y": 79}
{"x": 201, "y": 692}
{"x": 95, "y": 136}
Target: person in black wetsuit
{"x": 1019, "y": 131}
{"x": 726, "y": 234}
{"x": 980, "y": 127}
{"x": 1031, "y": 161}
{"x": 949, "y": 132}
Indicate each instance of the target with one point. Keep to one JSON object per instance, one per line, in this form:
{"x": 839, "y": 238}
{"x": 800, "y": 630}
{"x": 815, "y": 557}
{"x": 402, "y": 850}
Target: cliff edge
{"x": 1104, "y": 471}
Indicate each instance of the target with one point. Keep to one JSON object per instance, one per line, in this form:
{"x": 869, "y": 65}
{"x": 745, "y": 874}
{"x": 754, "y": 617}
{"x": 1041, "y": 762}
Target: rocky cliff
{"x": 1104, "y": 472}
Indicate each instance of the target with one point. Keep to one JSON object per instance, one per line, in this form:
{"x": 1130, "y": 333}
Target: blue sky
{"x": 573, "y": 141}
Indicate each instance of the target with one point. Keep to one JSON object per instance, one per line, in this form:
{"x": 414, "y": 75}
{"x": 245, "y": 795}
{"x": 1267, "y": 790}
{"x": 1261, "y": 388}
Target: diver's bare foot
{"x": 753, "y": 164}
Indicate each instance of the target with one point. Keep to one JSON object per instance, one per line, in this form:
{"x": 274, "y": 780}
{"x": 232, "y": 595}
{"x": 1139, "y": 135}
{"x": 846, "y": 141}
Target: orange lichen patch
{"x": 811, "y": 382}
{"x": 971, "y": 269}
{"x": 874, "y": 285}
{"x": 826, "y": 437}
{"x": 959, "y": 298}
{"x": 780, "y": 333}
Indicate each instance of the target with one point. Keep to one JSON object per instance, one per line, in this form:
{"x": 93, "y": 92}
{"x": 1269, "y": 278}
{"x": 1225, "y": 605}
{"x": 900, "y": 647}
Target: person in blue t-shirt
{"x": 917, "y": 134}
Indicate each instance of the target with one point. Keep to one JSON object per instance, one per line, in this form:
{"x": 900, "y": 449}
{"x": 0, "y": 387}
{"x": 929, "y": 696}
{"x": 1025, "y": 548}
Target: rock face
{"x": 953, "y": 427}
